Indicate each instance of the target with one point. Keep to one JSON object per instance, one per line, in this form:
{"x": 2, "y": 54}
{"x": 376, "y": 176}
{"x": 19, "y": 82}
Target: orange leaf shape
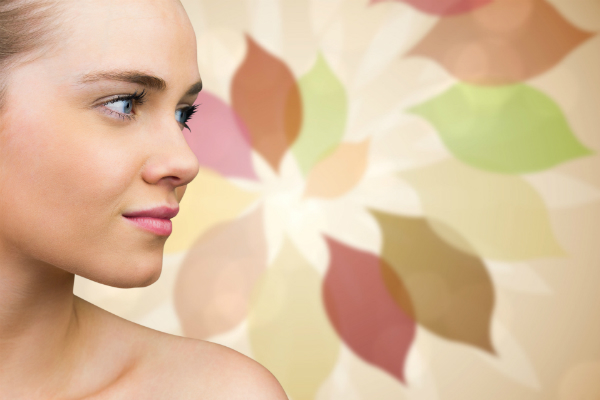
{"x": 213, "y": 289}
{"x": 339, "y": 172}
{"x": 362, "y": 310}
{"x": 504, "y": 42}
{"x": 450, "y": 291}
{"x": 265, "y": 95}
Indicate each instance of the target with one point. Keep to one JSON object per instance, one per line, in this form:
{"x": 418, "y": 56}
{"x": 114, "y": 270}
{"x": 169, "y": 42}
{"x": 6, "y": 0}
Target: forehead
{"x": 148, "y": 35}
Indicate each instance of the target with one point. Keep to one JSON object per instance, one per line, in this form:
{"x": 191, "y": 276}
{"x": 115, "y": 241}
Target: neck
{"x": 38, "y": 324}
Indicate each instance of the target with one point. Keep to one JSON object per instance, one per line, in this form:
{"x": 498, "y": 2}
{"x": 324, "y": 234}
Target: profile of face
{"x": 92, "y": 131}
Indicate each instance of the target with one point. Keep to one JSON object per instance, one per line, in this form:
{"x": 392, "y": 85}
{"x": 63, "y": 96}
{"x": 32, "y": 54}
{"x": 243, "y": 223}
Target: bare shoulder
{"x": 210, "y": 371}
{"x": 144, "y": 363}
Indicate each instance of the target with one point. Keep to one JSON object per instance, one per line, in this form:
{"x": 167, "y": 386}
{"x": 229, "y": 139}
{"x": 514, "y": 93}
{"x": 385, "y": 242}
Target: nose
{"x": 171, "y": 162}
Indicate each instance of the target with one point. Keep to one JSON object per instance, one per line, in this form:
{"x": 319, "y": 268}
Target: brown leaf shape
{"x": 213, "y": 288}
{"x": 265, "y": 95}
{"x": 504, "y": 42}
{"x": 450, "y": 291}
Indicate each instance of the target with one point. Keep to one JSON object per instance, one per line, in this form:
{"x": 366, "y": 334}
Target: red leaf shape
{"x": 219, "y": 139}
{"x": 505, "y": 42}
{"x": 443, "y": 7}
{"x": 362, "y": 310}
{"x": 267, "y": 98}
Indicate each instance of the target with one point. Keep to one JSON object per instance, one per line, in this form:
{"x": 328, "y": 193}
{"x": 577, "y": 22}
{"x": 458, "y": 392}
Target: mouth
{"x": 156, "y": 220}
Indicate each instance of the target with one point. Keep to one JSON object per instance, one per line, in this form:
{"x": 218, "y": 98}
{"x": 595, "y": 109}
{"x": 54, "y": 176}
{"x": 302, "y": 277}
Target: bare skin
{"x": 73, "y": 159}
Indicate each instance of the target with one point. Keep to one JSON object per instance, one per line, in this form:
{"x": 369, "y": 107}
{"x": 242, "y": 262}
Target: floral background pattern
{"x": 397, "y": 199}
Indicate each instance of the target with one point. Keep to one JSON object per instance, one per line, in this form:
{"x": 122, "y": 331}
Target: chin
{"x": 127, "y": 275}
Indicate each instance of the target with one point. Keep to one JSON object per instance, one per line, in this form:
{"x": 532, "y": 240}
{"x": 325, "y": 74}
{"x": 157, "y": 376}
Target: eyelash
{"x": 189, "y": 112}
{"x": 137, "y": 98}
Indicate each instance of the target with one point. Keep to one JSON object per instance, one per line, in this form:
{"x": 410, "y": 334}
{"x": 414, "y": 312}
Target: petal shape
{"x": 509, "y": 129}
{"x": 338, "y": 173}
{"x": 212, "y": 292}
{"x": 504, "y": 42}
{"x": 364, "y": 314}
{"x": 388, "y": 193}
{"x": 325, "y": 110}
{"x": 266, "y": 97}
{"x": 562, "y": 191}
{"x": 583, "y": 13}
{"x": 451, "y": 291}
{"x": 289, "y": 330}
{"x": 575, "y": 86}
{"x": 208, "y": 200}
{"x": 219, "y": 139}
{"x": 443, "y": 7}
{"x": 502, "y": 217}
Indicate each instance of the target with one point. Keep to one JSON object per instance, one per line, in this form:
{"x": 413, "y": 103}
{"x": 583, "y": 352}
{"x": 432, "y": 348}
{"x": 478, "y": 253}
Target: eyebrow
{"x": 136, "y": 77}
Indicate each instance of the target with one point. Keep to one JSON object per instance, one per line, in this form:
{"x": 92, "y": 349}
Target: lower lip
{"x": 159, "y": 226}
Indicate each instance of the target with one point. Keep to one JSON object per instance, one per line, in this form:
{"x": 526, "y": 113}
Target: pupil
{"x": 128, "y": 106}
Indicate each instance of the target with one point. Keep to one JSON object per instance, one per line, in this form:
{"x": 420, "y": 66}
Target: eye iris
{"x": 180, "y": 116}
{"x": 128, "y": 106}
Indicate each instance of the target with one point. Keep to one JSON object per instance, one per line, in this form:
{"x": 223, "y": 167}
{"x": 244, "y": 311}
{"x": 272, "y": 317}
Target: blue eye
{"x": 183, "y": 115}
{"x": 121, "y": 106}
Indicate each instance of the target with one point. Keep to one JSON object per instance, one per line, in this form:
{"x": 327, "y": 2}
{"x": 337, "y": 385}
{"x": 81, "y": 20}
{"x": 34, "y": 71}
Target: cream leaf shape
{"x": 518, "y": 277}
{"x": 289, "y": 330}
{"x": 266, "y": 25}
{"x": 403, "y": 28}
{"x": 512, "y": 360}
{"x": 351, "y": 224}
{"x": 562, "y": 191}
{"x": 388, "y": 193}
{"x": 574, "y": 85}
{"x": 501, "y": 216}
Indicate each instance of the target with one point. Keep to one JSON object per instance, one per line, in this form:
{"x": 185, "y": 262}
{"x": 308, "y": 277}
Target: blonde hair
{"x": 25, "y": 27}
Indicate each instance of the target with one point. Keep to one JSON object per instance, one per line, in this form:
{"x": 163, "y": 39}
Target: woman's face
{"x": 78, "y": 151}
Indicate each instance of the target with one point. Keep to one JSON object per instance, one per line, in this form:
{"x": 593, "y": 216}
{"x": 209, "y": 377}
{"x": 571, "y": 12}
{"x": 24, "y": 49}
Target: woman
{"x": 94, "y": 96}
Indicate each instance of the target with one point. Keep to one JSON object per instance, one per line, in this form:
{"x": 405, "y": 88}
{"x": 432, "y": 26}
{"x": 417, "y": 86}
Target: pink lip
{"x": 155, "y": 220}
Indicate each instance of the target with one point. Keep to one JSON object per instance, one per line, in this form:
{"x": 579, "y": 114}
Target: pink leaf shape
{"x": 212, "y": 292}
{"x": 443, "y": 7}
{"x": 219, "y": 138}
{"x": 267, "y": 98}
{"x": 363, "y": 311}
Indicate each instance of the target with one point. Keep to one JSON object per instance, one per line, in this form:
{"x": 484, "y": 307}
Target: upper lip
{"x": 164, "y": 212}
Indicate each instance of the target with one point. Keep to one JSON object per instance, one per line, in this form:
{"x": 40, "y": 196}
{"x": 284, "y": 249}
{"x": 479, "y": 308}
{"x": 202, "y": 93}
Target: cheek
{"x": 62, "y": 184}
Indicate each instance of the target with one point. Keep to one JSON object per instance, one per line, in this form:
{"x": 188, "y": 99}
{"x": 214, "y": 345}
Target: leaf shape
{"x": 364, "y": 314}
{"x": 562, "y": 191}
{"x": 583, "y": 13}
{"x": 325, "y": 110}
{"x": 501, "y": 216}
{"x": 451, "y": 291}
{"x": 219, "y": 139}
{"x": 289, "y": 330}
{"x": 442, "y": 7}
{"x": 212, "y": 292}
{"x": 504, "y": 42}
{"x": 266, "y": 97}
{"x": 339, "y": 172}
{"x": 209, "y": 199}
{"x": 509, "y": 129}
{"x": 575, "y": 86}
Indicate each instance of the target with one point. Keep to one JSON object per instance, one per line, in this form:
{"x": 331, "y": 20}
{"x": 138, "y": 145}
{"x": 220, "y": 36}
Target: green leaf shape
{"x": 509, "y": 129}
{"x": 325, "y": 107}
{"x": 289, "y": 330}
{"x": 450, "y": 291}
{"x": 501, "y": 216}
